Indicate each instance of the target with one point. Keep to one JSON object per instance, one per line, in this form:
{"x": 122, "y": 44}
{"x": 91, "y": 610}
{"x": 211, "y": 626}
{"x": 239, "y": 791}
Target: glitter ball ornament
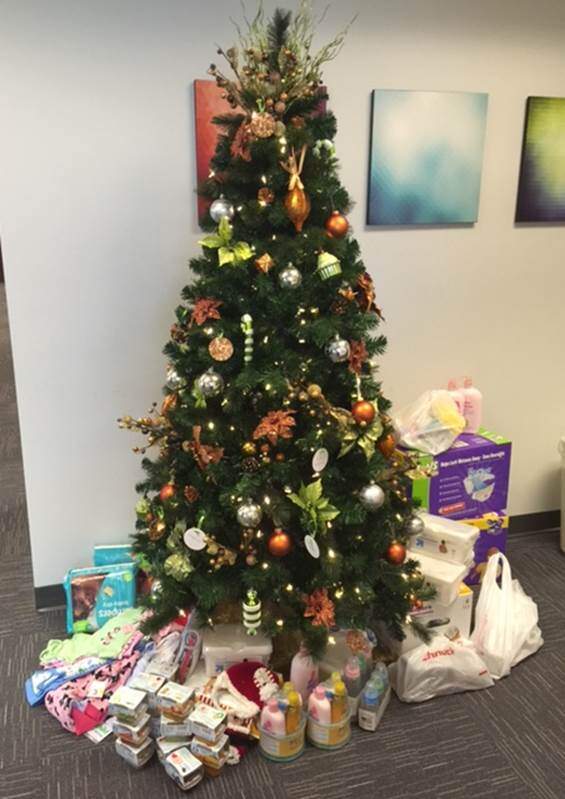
{"x": 262, "y": 125}
{"x": 336, "y": 225}
{"x": 210, "y": 384}
{"x": 415, "y": 525}
{"x": 249, "y": 514}
{"x": 396, "y": 553}
{"x": 279, "y": 543}
{"x": 338, "y": 350}
{"x": 290, "y": 277}
{"x": 372, "y": 496}
{"x": 221, "y": 209}
{"x": 220, "y": 348}
{"x": 174, "y": 380}
{"x": 363, "y": 411}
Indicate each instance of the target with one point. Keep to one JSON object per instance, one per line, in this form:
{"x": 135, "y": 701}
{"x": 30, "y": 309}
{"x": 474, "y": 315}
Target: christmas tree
{"x": 277, "y": 484}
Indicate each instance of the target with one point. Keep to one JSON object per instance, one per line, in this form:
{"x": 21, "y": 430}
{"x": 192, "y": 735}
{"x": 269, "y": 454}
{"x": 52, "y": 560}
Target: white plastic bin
{"x": 445, "y": 539}
{"x": 444, "y": 576}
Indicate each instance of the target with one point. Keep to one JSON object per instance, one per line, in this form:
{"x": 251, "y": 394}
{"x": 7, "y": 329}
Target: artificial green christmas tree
{"x": 277, "y": 482}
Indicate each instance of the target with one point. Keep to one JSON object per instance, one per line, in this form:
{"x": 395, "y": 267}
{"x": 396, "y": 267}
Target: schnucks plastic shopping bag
{"x": 442, "y": 667}
{"x": 506, "y": 620}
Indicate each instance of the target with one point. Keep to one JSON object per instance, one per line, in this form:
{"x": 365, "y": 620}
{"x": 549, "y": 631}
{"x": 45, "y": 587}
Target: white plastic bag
{"x": 506, "y": 620}
{"x": 439, "y": 668}
{"x": 431, "y": 423}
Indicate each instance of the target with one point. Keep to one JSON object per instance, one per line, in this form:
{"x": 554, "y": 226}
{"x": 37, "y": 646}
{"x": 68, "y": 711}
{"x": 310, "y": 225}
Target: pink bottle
{"x": 458, "y": 396}
{"x": 303, "y": 673}
{"x": 272, "y": 718}
{"x": 473, "y": 408}
{"x": 319, "y": 706}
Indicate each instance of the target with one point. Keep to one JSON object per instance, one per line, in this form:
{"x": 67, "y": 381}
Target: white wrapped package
{"x": 443, "y": 667}
{"x": 446, "y": 539}
{"x": 444, "y": 576}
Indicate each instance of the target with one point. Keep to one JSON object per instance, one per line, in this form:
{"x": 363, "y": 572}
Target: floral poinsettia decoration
{"x": 320, "y": 608}
{"x": 357, "y": 356}
{"x": 241, "y": 141}
{"x": 204, "y": 454}
{"x": 366, "y": 295}
{"x": 205, "y": 309}
{"x": 275, "y": 425}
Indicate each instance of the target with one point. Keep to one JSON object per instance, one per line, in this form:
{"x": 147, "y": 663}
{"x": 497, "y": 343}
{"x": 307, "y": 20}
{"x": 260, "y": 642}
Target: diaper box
{"x": 466, "y": 481}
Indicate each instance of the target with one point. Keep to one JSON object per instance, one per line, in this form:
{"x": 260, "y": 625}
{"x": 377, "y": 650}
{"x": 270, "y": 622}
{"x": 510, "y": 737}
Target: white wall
{"x": 97, "y": 221}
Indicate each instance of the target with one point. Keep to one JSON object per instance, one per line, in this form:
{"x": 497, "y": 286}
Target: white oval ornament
{"x": 320, "y": 459}
{"x": 311, "y": 546}
{"x": 195, "y": 538}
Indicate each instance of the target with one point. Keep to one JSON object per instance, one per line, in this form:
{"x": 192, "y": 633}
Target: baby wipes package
{"x": 97, "y": 593}
{"x": 110, "y": 554}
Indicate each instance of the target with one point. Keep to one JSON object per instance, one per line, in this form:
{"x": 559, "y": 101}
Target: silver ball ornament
{"x": 210, "y": 384}
{"x": 249, "y": 514}
{"x": 415, "y": 525}
{"x": 372, "y": 496}
{"x": 338, "y": 350}
{"x": 156, "y": 589}
{"x": 290, "y": 277}
{"x": 221, "y": 209}
{"x": 174, "y": 380}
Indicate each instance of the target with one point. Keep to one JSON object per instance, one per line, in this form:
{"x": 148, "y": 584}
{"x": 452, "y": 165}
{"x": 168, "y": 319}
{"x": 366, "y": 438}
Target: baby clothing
{"x": 107, "y": 642}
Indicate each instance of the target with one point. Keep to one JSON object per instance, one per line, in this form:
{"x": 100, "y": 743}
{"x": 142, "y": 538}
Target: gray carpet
{"x": 504, "y": 742}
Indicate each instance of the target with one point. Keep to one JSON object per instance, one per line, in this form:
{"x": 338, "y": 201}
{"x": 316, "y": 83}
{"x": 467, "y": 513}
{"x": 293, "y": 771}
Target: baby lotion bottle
{"x": 272, "y": 718}
{"x": 473, "y": 408}
{"x": 340, "y": 703}
{"x": 294, "y": 711}
{"x": 303, "y": 673}
{"x": 458, "y": 396}
{"x": 352, "y": 676}
{"x": 319, "y": 706}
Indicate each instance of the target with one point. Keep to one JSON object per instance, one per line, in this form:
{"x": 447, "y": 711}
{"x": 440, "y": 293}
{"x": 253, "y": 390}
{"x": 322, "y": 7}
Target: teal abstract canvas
{"x": 426, "y": 157}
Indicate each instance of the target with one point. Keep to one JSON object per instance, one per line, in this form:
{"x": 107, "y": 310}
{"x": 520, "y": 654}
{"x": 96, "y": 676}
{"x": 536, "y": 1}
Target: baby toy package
{"x": 97, "y": 593}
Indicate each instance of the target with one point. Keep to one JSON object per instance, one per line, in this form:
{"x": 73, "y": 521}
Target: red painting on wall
{"x": 208, "y": 103}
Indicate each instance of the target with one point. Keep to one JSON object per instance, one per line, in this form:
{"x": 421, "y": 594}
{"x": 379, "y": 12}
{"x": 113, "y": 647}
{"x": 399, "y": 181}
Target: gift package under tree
{"x": 276, "y": 527}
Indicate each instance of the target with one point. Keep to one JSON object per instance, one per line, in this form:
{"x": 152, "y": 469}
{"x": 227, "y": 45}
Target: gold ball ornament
{"x": 220, "y": 348}
{"x": 280, "y": 457}
{"x": 248, "y": 448}
{"x": 363, "y": 411}
{"x": 396, "y": 553}
{"x": 336, "y": 225}
{"x": 314, "y": 391}
{"x": 279, "y": 543}
{"x": 297, "y": 205}
{"x": 157, "y": 530}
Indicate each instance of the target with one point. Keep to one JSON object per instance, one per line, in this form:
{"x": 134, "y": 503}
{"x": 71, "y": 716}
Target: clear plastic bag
{"x": 506, "y": 620}
{"x": 431, "y": 423}
{"x": 440, "y": 668}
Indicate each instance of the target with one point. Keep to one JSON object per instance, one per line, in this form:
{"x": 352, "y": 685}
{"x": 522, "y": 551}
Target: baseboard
{"x": 48, "y": 597}
{"x": 535, "y": 522}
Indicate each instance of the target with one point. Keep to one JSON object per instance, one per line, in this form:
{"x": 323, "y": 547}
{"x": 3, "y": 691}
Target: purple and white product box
{"x": 468, "y": 480}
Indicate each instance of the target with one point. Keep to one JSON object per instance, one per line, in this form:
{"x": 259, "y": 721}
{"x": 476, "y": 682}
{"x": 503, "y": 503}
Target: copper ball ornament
{"x": 336, "y": 225}
{"x": 279, "y": 543}
{"x": 387, "y": 445}
{"x": 396, "y": 553}
{"x": 167, "y": 492}
{"x": 363, "y": 411}
{"x": 220, "y": 348}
